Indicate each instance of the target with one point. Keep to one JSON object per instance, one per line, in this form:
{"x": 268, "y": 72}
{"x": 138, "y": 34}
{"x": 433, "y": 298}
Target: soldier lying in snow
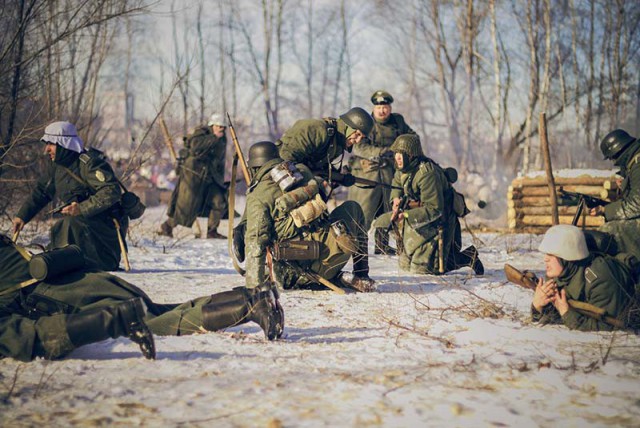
{"x": 65, "y": 307}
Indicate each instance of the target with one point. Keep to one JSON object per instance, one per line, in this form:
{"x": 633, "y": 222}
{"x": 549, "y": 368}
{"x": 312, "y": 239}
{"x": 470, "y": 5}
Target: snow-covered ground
{"x": 456, "y": 350}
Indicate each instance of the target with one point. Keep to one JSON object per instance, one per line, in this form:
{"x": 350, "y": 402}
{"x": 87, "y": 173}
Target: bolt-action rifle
{"x": 529, "y": 280}
{"x": 347, "y": 180}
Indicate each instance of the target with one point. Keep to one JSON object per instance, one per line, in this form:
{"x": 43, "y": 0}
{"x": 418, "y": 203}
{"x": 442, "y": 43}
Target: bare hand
{"x": 71, "y": 210}
{"x": 560, "y": 302}
{"x": 596, "y": 211}
{"x": 544, "y": 294}
{"x": 18, "y": 224}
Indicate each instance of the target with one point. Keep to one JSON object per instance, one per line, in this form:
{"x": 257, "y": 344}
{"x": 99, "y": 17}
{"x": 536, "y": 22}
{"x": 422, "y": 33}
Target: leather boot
{"x": 124, "y": 319}
{"x": 359, "y": 280}
{"x": 382, "y": 243}
{"x": 213, "y": 234}
{"x": 241, "y": 305}
{"x": 165, "y": 229}
{"x": 469, "y": 257}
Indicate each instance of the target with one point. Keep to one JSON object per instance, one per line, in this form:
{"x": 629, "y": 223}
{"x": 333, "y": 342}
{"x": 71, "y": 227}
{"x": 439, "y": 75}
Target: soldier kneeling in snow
{"x": 50, "y": 305}
{"x": 573, "y": 274}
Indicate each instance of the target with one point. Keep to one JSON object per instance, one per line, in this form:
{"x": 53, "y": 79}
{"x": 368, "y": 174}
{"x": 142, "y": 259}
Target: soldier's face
{"x": 50, "y": 150}
{"x": 355, "y": 138}
{"x": 553, "y": 267}
{"x": 218, "y": 130}
{"x": 381, "y": 111}
{"x": 399, "y": 160}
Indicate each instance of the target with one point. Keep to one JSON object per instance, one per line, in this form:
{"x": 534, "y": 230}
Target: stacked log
{"x": 529, "y": 207}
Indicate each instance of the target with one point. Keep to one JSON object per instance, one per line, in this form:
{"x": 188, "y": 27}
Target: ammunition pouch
{"x": 38, "y": 305}
{"x": 346, "y": 242}
{"x": 296, "y": 197}
{"x": 296, "y": 250}
{"x": 308, "y": 212}
{"x": 48, "y": 265}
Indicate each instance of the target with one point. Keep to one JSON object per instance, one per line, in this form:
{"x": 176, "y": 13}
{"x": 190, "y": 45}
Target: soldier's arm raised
{"x": 629, "y": 207}
{"x": 40, "y": 196}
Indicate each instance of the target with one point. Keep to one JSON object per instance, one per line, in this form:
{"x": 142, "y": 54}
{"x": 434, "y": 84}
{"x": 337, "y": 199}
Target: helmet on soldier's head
{"x": 358, "y": 118}
{"x": 408, "y": 144}
{"x": 381, "y": 97}
{"x": 217, "y": 119}
{"x": 614, "y": 143}
{"x": 261, "y": 153}
{"x": 566, "y": 242}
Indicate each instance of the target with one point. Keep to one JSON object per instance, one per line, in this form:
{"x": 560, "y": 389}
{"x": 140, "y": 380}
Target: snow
{"x": 456, "y": 350}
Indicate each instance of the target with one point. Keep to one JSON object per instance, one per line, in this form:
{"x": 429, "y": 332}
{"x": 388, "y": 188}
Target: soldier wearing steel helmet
{"x": 571, "y": 272}
{"x": 425, "y": 213}
{"x": 201, "y": 191}
{"x": 623, "y": 215}
{"x": 285, "y": 209}
{"x": 372, "y": 159}
{"x": 319, "y": 142}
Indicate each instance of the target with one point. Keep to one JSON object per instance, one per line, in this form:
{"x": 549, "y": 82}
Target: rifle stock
{"x": 167, "y": 139}
{"x": 236, "y": 145}
{"x": 529, "y": 280}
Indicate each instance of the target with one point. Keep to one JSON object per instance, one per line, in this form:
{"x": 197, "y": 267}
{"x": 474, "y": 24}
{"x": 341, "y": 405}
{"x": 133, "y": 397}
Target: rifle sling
{"x": 232, "y": 212}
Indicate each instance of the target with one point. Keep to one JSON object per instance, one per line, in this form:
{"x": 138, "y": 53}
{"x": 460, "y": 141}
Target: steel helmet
{"x": 614, "y": 143}
{"x": 566, "y": 242}
{"x": 261, "y": 153}
{"x": 358, "y": 118}
{"x": 409, "y": 144}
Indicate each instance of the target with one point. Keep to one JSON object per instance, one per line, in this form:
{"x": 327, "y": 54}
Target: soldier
{"x": 425, "y": 214}
{"x": 318, "y": 142}
{"x": 201, "y": 190}
{"x": 373, "y": 160}
{"x": 573, "y": 273}
{"x": 623, "y": 216}
{"x": 88, "y": 189}
{"x": 285, "y": 211}
{"x": 51, "y": 317}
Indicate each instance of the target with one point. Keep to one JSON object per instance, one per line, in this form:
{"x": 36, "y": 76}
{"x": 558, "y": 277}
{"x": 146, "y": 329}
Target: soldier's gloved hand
{"x": 348, "y": 180}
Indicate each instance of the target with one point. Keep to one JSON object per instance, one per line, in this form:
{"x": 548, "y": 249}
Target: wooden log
{"x": 521, "y": 211}
{"x": 609, "y": 195}
{"x": 583, "y": 180}
{"x": 544, "y": 220}
{"x": 610, "y": 184}
{"x": 542, "y": 191}
{"x": 529, "y": 201}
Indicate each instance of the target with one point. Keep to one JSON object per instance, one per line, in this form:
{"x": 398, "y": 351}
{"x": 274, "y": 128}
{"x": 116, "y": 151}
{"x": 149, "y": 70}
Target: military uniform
{"x": 35, "y": 320}
{"x": 200, "y": 190}
{"x": 268, "y": 224}
{"x": 314, "y": 142}
{"x": 623, "y": 216}
{"x": 85, "y": 178}
{"x": 602, "y": 281}
{"x": 431, "y": 207}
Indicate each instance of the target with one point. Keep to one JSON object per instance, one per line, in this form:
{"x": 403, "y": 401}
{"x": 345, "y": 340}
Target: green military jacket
{"x": 602, "y": 281}
{"x": 628, "y": 206}
{"x": 309, "y": 141}
{"x": 201, "y": 173}
{"x": 381, "y": 138}
{"x": 265, "y": 223}
{"x": 96, "y": 192}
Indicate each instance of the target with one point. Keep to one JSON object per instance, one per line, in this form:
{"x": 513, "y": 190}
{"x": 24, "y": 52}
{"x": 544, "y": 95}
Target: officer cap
{"x": 381, "y": 97}
{"x": 261, "y": 153}
{"x": 614, "y": 143}
{"x": 409, "y": 144}
{"x": 358, "y": 118}
{"x": 565, "y": 241}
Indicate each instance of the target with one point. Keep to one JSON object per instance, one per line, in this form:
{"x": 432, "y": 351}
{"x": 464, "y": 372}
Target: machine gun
{"x": 529, "y": 280}
{"x": 581, "y": 200}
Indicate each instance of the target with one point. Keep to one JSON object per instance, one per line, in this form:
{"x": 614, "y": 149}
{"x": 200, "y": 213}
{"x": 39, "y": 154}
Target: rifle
{"x": 580, "y": 199}
{"x": 529, "y": 280}
{"x": 238, "y": 150}
{"x": 340, "y": 178}
{"x": 404, "y": 202}
{"x": 58, "y": 208}
{"x": 167, "y": 139}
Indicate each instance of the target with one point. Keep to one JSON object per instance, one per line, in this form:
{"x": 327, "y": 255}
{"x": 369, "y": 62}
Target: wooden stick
{"x": 543, "y": 191}
{"x": 168, "y": 140}
{"x": 544, "y": 143}
{"x": 123, "y": 249}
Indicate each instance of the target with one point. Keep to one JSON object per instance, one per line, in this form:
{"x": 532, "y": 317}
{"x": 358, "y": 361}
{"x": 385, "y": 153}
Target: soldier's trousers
{"x": 32, "y": 320}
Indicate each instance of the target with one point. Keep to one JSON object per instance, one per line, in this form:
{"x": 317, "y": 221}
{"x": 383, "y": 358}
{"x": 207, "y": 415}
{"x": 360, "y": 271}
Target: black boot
{"x": 382, "y": 243}
{"x": 241, "y": 305}
{"x": 469, "y": 257}
{"x": 165, "y": 229}
{"x": 124, "y": 319}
